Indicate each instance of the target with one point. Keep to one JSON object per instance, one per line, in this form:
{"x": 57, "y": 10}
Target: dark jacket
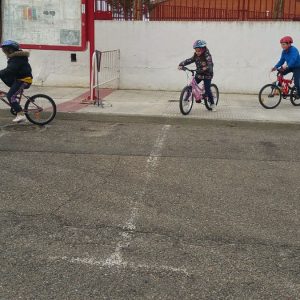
{"x": 204, "y": 60}
{"x": 18, "y": 67}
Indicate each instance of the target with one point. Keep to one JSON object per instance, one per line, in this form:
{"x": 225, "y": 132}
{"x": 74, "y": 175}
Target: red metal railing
{"x": 194, "y": 10}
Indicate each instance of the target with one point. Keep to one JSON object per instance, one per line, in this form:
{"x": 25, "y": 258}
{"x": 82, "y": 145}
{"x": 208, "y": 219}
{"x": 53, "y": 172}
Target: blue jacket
{"x": 291, "y": 57}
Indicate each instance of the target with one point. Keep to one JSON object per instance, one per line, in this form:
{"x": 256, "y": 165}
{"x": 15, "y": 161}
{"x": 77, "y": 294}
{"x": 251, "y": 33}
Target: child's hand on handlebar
{"x": 280, "y": 70}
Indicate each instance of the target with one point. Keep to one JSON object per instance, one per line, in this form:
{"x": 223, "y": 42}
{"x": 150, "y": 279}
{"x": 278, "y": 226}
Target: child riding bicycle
{"x": 204, "y": 64}
{"x": 17, "y": 75}
{"x": 289, "y": 62}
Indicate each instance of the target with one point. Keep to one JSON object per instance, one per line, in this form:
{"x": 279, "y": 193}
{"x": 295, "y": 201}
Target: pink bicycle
{"x": 193, "y": 91}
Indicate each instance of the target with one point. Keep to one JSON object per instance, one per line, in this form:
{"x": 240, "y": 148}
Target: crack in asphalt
{"x": 203, "y": 157}
{"x": 179, "y": 239}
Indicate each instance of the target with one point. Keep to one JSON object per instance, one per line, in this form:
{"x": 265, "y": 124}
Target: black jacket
{"x": 18, "y": 67}
{"x": 204, "y": 60}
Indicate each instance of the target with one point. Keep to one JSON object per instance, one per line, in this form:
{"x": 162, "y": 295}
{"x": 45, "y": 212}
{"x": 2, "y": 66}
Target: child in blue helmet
{"x": 204, "y": 65}
{"x": 17, "y": 75}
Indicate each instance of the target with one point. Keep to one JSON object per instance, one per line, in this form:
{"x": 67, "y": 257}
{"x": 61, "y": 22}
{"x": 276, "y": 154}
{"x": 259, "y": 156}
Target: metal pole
{"x": 91, "y": 36}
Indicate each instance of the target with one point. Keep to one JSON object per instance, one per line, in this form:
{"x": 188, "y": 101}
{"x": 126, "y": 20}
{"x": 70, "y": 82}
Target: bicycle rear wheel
{"x": 40, "y": 109}
{"x": 270, "y": 96}
{"x": 186, "y": 100}
{"x": 295, "y": 99}
{"x": 215, "y": 93}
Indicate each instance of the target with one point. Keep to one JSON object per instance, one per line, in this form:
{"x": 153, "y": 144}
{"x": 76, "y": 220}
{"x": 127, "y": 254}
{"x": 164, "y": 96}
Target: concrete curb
{"x": 155, "y": 119}
{"x": 172, "y": 120}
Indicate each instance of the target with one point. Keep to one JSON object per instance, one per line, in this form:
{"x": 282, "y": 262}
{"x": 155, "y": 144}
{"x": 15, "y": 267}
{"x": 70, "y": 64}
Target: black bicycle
{"x": 39, "y": 109}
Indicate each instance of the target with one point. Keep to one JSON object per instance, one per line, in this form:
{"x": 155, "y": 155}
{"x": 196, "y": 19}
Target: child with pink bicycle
{"x": 204, "y": 68}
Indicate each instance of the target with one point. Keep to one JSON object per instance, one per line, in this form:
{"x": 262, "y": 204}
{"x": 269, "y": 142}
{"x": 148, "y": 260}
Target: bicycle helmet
{"x": 287, "y": 39}
{"x": 10, "y": 44}
{"x": 199, "y": 44}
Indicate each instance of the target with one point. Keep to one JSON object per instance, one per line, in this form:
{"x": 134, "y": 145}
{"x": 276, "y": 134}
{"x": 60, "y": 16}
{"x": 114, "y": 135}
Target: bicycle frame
{"x": 284, "y": 84}
{"x": 19, "y": 100}
{"x": 198, "y": 91}
{"x": 6, "y": 100}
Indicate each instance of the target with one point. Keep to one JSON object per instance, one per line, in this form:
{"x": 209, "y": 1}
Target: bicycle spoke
{"x": 40, "y": 109}
{"x": 186, "y": 100}
{"x": 295, "y": 98}
{"x": 270, "y": 96}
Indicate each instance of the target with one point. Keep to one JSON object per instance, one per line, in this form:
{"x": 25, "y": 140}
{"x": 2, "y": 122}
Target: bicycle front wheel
{"x": 215, "y": 92}
{"x": 186, "y": 100}
{"x": 270, "y": 96}
{"x": 295, "y": 99}
{"x": 40, "y": 109}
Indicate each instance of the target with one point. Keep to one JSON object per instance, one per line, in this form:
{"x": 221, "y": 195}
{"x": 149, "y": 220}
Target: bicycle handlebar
{"x": 187, "y": 69}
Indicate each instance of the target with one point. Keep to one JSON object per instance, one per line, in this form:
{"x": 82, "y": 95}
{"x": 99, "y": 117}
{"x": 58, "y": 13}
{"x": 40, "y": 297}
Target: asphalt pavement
{"x": 132, "y": 200}
{"x": 114, "y": 206}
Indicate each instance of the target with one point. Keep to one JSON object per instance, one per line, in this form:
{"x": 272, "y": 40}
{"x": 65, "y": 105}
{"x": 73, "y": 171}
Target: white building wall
{"x": 243, "y": 54}
{"x": 54, "y": 68}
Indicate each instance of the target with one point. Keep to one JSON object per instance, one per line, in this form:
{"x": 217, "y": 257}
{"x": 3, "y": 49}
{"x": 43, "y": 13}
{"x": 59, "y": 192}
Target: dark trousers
{"x": 296, "y": 72}
{"x": 16, "y": 89}
{"x": 207, "y": 84}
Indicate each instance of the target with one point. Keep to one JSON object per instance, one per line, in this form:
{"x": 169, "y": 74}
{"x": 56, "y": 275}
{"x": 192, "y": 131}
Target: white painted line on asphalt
{"x": 116, "y": 257}
{"x": 149, "y": 171}
{"x": 121, "y": 264}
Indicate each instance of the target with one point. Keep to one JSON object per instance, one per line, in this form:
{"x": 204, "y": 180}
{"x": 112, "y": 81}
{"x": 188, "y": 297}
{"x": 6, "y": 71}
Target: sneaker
{"x": 19, "y": 118}
{"x": 213, "y": 107}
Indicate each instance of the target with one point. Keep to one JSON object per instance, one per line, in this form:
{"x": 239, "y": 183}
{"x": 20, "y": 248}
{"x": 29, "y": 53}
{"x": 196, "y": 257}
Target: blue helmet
{"x": 10, "y": 44}
{"x": 199, "y": 44}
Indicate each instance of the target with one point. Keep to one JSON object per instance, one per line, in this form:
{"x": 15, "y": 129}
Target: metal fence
{"x": 105, "y": 72}
{"x": 194, "y": 10}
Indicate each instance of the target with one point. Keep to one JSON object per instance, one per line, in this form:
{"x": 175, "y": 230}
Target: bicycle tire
{"x": 294, "y": 101}
{"x": 186, "y": 100}
{"x": 216, "y": 96}
{"x": 265, "y": 94}
{"x": 38, "y": 106}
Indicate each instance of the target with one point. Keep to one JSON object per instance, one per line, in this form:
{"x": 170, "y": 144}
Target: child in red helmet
{"x": 289, "y": 61}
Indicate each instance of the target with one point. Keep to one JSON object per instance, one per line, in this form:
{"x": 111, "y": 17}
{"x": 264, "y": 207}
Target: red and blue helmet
{"x": 199, "y": 44}
{"x": 10, "y": 44}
